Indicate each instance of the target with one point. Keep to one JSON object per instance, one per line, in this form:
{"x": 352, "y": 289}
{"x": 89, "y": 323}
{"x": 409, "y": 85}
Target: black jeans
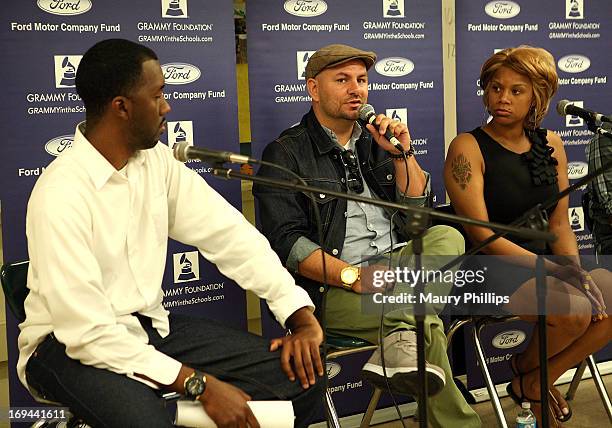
{"x": 107, "y": 399}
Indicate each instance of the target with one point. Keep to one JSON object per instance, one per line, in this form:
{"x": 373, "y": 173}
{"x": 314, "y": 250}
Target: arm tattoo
{"x": 462, "y": 170}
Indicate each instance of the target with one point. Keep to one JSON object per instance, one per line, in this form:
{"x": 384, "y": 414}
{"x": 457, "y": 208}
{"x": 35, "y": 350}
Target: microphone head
{"x": 180, "y": 151}
{"x": 561, "y": 106}
{"x": 365, "y": 111}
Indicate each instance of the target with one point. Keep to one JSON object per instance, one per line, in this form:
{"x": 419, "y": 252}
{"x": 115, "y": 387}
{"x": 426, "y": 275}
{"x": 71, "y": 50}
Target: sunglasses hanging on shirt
{"x": 354, "y": 180}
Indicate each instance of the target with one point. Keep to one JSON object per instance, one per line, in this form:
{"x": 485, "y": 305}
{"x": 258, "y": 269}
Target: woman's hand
{"x": 592, "y": 291}
{"x": 582, "y": 280}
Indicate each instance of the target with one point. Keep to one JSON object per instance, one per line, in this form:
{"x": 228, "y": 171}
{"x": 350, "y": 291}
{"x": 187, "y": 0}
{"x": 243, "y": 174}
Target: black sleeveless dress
{"x": 513, "y": 184}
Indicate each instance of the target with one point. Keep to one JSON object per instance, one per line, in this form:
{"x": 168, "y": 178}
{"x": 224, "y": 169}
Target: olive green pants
{"x": 345, "y": 317}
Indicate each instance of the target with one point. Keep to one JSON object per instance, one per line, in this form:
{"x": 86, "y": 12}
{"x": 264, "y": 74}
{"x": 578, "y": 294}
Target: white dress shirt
{"x": 97, "y": 242}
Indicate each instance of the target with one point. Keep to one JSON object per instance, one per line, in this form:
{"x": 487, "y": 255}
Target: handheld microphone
{"x": 183, "y": 151}
{"x": 368, "y": 115}
{"x": 565, "y": 107}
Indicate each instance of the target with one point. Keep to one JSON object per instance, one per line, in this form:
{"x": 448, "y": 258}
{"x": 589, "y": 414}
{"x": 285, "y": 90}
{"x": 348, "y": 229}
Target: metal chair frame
{"x": 479, "y": 324}
{"x": 338, "y": 351}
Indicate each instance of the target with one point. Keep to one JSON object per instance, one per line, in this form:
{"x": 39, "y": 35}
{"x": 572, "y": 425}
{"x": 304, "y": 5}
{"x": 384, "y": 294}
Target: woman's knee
{"x": 573, "y": 324}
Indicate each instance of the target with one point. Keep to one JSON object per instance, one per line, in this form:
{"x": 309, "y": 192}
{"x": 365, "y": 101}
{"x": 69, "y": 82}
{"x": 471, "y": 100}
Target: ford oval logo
{"x": 65, "y": 7}
{"x": 508, "y": 339}
{"x": 576, "y": 170}
{"x": 58, "y": 145}
{"x": 394, "y": 66}
{"x": 305, "y": 8}
{"x": 574, "y": 63}
{"x": 502, "y": 9}
{"x": 179, "y": 73}
{"x": 333, "y": 369}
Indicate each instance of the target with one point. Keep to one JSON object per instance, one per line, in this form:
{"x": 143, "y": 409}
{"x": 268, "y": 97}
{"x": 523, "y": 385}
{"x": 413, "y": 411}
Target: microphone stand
{"x": 417, "y": 225}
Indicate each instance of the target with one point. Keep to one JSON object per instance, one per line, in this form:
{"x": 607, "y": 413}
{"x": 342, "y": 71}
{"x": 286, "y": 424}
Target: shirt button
{"x": 335, "y": 251}
{"x": 372, "y": 244}
{"x": 345, "y": 213}
{"x": 342, "y": 180}
{"x": 322, "y": 195}
{"x": 389, "y": 177}
{"x": 370, "y": 226}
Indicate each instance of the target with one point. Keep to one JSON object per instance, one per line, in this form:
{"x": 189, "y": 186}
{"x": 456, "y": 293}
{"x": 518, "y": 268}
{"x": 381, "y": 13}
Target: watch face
{"x": 194, "y": 386}
{"x": 349, "y": 275}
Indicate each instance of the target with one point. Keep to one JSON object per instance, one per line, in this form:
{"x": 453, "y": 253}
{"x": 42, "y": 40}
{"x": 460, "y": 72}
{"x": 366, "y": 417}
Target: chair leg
{"x": 332, "y": 416}
{"x": 367, "y": 416}
{"x": 497, "y": 408}
{"x": 571, "y": 391}
{"x": 454, "y": 327}
{"x": 601, "y": 387}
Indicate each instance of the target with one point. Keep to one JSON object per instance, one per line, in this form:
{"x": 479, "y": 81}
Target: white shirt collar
{"x": 98, "y": 167}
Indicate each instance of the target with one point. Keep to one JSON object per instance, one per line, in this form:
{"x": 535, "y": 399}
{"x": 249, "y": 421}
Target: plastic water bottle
{"x": 526, "y": 418}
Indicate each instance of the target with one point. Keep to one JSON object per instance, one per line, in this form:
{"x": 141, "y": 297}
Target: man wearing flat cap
{"x": 332, "y": 149}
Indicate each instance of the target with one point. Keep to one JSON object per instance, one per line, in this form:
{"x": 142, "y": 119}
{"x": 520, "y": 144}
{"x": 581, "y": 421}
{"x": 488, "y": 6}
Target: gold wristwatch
{"x": 349, "y": 275}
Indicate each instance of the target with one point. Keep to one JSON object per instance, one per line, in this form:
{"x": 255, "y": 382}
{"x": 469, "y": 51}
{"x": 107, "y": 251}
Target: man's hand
{"x": 300, "y": 350}
{"x": 227, "y": 405}
{"x": 371, "y": 280}
{"x": 397, "y": 128}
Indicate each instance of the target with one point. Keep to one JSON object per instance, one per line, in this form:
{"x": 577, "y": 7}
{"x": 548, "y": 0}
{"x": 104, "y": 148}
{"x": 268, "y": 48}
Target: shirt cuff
{"x": 302, "y": 248}
{"x": 284, "y": 307}
{"x": 418, "y": 201}
{"x": 161, "y": 368}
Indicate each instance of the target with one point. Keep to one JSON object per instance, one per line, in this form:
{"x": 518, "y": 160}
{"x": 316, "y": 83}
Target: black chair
{"x": 14, "y": 278}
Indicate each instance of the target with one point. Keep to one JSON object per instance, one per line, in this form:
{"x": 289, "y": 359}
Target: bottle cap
{"x": 526, "y": 405}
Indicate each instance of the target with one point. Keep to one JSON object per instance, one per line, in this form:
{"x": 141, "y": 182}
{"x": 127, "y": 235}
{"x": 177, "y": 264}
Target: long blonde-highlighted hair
{"x": 535, "y": 63}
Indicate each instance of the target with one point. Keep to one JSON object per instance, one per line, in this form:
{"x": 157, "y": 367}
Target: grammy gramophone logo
{"x": 393, "y": 8}
{"x": 302, "y": 58}
{"x": 574, "y": 9}
{"x": 65, "y": 70}
{"x": 174, "y": 9}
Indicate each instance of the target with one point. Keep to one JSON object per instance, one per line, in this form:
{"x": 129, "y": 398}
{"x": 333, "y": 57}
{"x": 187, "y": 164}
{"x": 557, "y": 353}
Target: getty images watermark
{"x": 404, "y": 278}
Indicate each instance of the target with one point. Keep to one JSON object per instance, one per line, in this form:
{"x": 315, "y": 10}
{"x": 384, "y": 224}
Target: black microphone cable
{"x": 382, "y": 308}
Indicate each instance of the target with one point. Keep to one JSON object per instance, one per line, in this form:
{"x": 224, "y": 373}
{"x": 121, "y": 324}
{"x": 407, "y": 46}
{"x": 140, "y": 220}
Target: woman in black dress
{"x": 497, "y": 172}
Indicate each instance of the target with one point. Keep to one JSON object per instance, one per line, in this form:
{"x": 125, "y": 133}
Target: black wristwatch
{"x": 195, "y": 385}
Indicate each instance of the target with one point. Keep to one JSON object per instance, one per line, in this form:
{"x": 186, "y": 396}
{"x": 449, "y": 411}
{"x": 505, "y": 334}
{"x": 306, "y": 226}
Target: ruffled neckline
{"x": 540, "y": 162}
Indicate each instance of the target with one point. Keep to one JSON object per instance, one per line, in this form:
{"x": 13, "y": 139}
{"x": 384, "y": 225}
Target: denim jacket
{"x": 287, "y": 217}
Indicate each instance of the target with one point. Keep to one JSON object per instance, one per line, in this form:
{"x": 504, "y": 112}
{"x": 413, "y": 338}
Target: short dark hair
{"x": 109, "y": 68}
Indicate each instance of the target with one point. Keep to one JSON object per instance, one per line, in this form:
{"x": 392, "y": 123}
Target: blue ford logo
{"x": 65, "y": 7}
{"x": 179, "y": 73}
{"x": 574, "y": 63}
{"x": 502, "y": 9}
{"x": 333, "y": 369}
{"x": 394, "y": 66}
{"x": 58, "y": 145}
{"x": 509, "y": 339}
{"x": 305, "y": 8}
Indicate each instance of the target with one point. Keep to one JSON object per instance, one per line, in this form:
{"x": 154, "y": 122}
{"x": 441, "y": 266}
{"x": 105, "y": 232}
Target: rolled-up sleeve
{"x": 416, "y": 201}
{"x": 302, "y": 248}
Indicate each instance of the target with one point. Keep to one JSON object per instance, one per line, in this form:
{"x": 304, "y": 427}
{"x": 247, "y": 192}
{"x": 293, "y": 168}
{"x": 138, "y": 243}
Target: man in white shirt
{"x": 96, "y": 337}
